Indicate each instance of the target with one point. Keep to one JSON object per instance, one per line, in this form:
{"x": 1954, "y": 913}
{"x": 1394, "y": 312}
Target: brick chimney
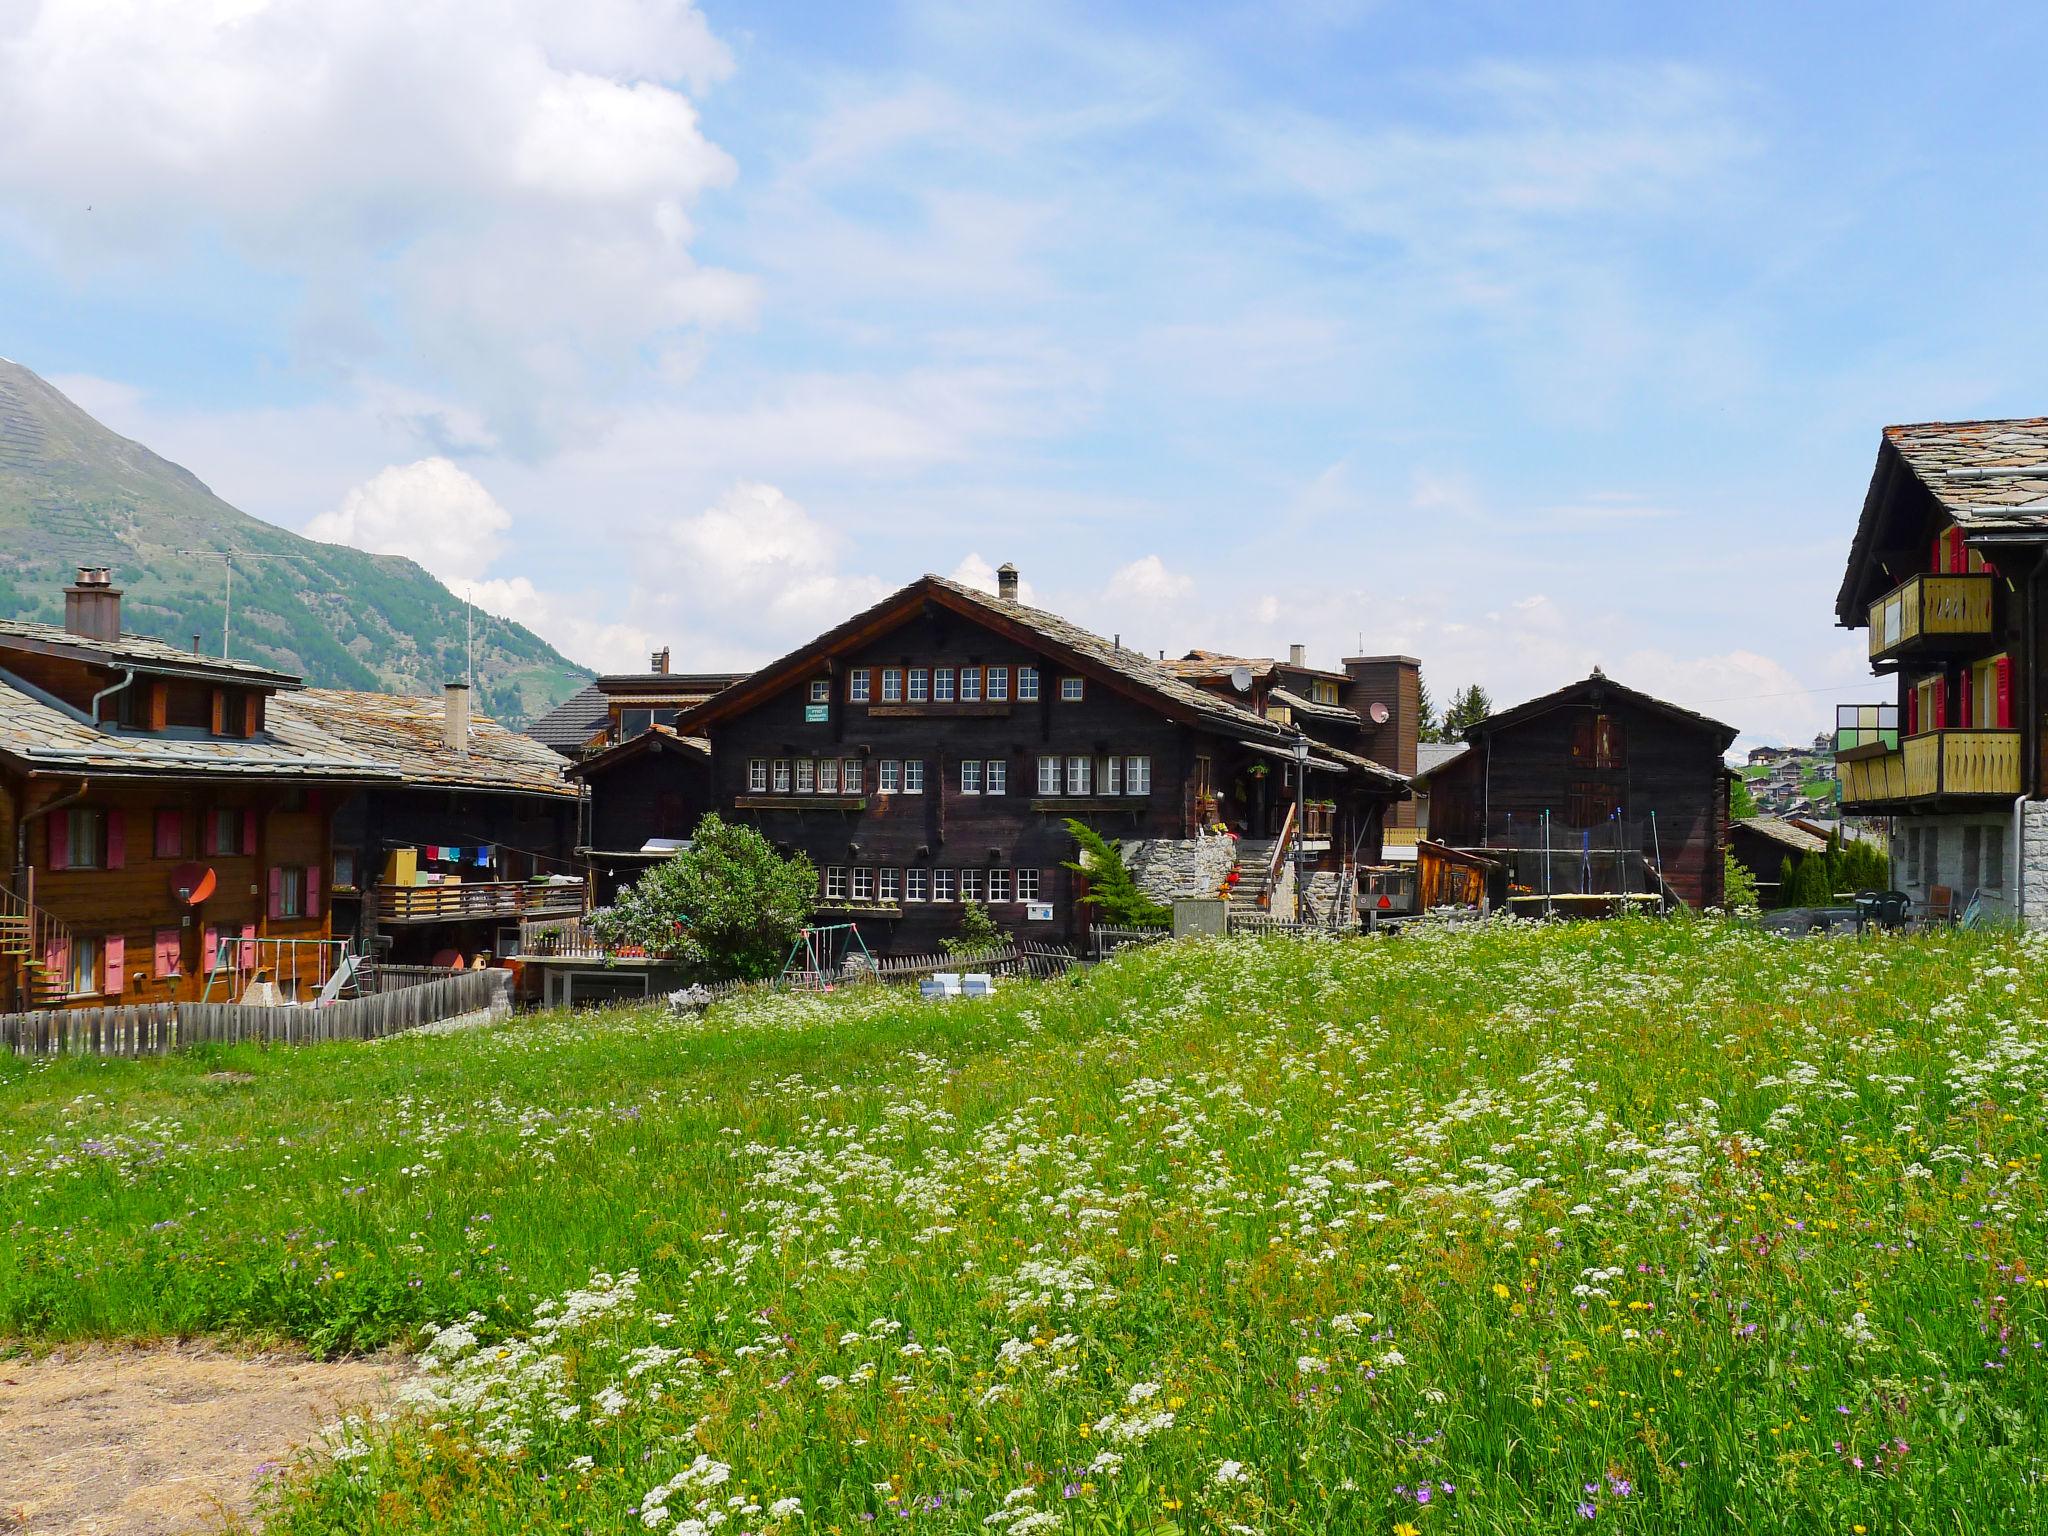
{"x": 455, "y": 720}
{"x": 1006, "y": 582}
{"x": 92, "y": 604}
{"x": 658, "y": 662}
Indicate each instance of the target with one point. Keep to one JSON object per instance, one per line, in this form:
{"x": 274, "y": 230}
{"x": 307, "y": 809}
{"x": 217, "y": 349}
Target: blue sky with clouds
{"x": 1518, "y": 338}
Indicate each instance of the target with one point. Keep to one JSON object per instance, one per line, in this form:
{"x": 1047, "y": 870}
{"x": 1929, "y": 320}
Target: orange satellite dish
{"x": 192, "y": 883}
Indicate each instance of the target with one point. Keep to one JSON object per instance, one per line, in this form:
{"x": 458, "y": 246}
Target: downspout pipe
{"x": 21, "y": 831}
{"x": 93, "y": 709}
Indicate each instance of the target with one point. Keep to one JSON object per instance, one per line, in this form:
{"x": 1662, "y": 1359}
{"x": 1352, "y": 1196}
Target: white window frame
{"x": 970, "y": 685}
{"x": 1027, "y": 684}
{"x": 998, "y": 887}
{"x": 850, "y": 776}
{"x": 291, "y": 890}
{"x": 821, "y": 690}
{"x": 757, "y": 776}
{"x": 970, "y": 884}
{"x": 913, "y": 775}
{"x": 942, "y": 685}
{"x": 1111, "y": 776}
{"x": 889, "y": 776}
{"x": 1049, "y": 780}
{"x": 916, "y": 884}
{"x": 828, "y": 775}
{"x": 998, "y": 685}
{"x": 1072, "y": 690}
{"x": 1138, "y": 775}
{"x": 995, "y": 779}
{"x": 1027, "y": 885}
{"x": 84, "y": 966}
{"x": 1080, "y": 774}
{"x": 806, "y": 776}
{"x": 920, "y": 685}
{"x": 889, "y": 885}
{"x": 970, "y": 775}
{"x": 782, "y": 776}
{"x": 943, "y": 886}
{"x": 857, "y": 686}
{"x": 892, "y": 685}
{"x": 835, "y": 882}
{"x": 863, "y": 882}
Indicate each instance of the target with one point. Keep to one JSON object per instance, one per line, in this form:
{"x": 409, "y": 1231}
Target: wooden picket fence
{"x": 153, "y": 1029}
{"x": 1105, "y": 939}
{"x": 1266, "y": 922}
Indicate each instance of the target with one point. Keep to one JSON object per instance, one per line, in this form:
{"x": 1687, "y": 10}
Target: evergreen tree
{"x": 1427, "y": 726}
{"x": 1739, "y": 894}
{"x": 1113, "y": 891}
{"x": 1741, "y": 799}
{"x": 1468, "y": 708}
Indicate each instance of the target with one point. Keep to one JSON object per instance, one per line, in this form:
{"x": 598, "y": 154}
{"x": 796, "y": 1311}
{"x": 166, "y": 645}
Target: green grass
{"x": 1645, "y": 1227}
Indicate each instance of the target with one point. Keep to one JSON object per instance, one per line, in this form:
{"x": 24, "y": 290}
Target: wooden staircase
{"x": 26, "y": 934}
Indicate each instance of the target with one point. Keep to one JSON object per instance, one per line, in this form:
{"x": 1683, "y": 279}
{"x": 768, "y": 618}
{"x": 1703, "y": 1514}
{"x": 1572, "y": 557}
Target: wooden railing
{"x": 1283, "y": 850}
{"x": 27, "y": 934}
{"x": 480, "y": 898}
{"x": 576, "y": 938}
{"x": 1953, "y": 762}
{"x": 1928, "y": 608}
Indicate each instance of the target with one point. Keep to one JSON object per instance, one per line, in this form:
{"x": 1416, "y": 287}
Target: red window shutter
{"x": 114, "y": 948}
{"x": 220, "y": 712}
{"x": 2004, "y": 665}
{"x": 57, "y": 961}
{"x": 1912, "y": 711}
{"x": 60, "y": 839}
{"x": 276, "y": 892}
{"x": 312, "y": 892}
{"x": 117, "y": 839}
{"x": 248, "y": 831}
{"x": 1941, "y": 702}
{"x": 1967, "y": 702}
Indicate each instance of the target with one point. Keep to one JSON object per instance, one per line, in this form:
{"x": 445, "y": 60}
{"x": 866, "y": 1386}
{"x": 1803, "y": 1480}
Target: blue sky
{"x": 1518, "y": 338}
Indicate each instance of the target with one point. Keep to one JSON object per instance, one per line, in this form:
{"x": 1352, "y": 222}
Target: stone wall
{"x": 2033, "y": 864}
{"x": 1168, "y": 867}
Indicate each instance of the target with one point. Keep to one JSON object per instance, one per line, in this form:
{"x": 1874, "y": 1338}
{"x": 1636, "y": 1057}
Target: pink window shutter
{"x": 116, "y": 953}
{"x": 165, "y": 840}
{"x": 117, "y": 841}
{"x": 60, "y": 839}
{"x": 248, "y": 946}
{"x": 210, "y": 953}
{"x": 248, "y": 831}
{"x": 312, "y": 892}
{"x": 57, "y": 960}
{"x": 276, "y": 892}
{"x": 167, "y": 947}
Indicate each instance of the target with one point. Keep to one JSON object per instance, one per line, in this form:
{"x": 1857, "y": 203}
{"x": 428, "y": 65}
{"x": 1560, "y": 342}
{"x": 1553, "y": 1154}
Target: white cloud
{"x": 1147, "y": 581}
{"x": 977, "y": 573}
{"x": 431, "y": 512}
{"x": 513, "y": 176}
{"x": 568, "y": 623}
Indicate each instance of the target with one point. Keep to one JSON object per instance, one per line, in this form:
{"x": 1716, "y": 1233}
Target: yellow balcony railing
{"x": 1935, "y": 764}
{"x": 1928, "y": 613}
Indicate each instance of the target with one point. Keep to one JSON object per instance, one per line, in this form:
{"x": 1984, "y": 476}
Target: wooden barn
{"x": 1627, "y": 793}
{"x": 646, "y": 796}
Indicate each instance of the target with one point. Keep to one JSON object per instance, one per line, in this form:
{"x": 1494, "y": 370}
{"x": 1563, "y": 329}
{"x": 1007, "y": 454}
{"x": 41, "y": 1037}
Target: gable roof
{"x": 154, "y": 657}
{"x": 1598, "y": 691}
{"x": 656, "y": 738}
{"x": 1116, "y": 665}
{"x": 574, "y": 721}
{"x": 1990, "y": 477}
{"x": 1432, "y": 755}
{"x": 1793, "y": 838}
{"x": 405, "y": 734}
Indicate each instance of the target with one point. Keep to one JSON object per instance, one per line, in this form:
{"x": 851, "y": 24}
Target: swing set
{"x": 823, "y": 955}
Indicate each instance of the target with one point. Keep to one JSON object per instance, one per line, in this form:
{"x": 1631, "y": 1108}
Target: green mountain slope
{"x": 73, "y": 493}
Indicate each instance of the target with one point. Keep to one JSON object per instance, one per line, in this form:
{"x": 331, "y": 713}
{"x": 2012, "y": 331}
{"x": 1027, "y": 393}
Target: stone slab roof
{"x": 574, "y": 721}
{"x": 1792, "y": 838}
{"x": 406, "y": 734}
{"x": 1986, "y": 473}
{"x": 138, "y": 651}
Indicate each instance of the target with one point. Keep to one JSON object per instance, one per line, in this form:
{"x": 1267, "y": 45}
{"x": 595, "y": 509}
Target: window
{"x": 1324, "y": 692}
{"x": 970, "y": 776}
{"x": 857, "y": 685}
{"x": 1027, "y": 683}
{"x": 83, "y": 841}
{"x": 913, "y": 776}
{"x": 1112, "y": 775}
{"x": 970, "y": 885}
{"x": 996, "y": 780}
{"x": 1070, "y": 690}
{"x": 892, "y": 685}
{"x": 888, "y": 776}
{"x": 920, "y": 685}
{"x": 821, "y": 690}
{"x": 1994, "y": 858}
{"x": 891, "y": 886}
{"x": 168, "y": 952}
{"x": 863, "y": 883}
{"x": 914, "y": 884}
{"x": 970, "y": 685}
{"x": 998, "y": 885}
{"x": 828, "y": 776}
{"x": 757, "y": 776}
{"x": 942, "y": 885}
{"x": 998, "y": 683}
{"x": 806, "y": 775}
{"x": 1973, "y": 844}
{"x": 942, "y": 685}
{"x": 835, "y": 882}
{"x": 1137, "y": 775}
{"x": 1027, "y": 885}
{"x": 169, "y": 839}
{"x": 1913, "y": 855}
{"x": 224, "y": 831}
{"x": 1597, "y": 744}
{"x": 782, "y": 776}
{"x": 850, "y": 775}
{"x": 1048, "y": 775}
{"x": 83, "y": 977}
{"x": 1080, "y": 775}
{"x": 1930, "y": 857}
{"x": 634, "y": 722}
{"x": 291, "y": 891}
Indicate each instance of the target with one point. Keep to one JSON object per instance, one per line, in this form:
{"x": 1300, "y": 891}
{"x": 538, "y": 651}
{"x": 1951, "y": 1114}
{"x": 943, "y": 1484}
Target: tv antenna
{"x": 228, "y": 557}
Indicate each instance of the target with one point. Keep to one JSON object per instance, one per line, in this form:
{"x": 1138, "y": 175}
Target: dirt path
{"x": 160, "y": 1441}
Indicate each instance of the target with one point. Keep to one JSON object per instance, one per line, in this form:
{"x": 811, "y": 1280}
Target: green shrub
{"x": 1113, "y": 891}
{"x": 728, "y": 907}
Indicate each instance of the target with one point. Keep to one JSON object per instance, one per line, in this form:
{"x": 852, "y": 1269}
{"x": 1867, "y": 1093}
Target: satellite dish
{"x": 1378, "y": 712}
{"x": 192, "y": 883}
{"x": 1241, "y": 679}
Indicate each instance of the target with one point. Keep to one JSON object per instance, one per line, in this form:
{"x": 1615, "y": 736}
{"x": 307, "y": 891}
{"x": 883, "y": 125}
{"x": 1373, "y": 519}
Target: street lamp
{"x": 1300, "y": 811}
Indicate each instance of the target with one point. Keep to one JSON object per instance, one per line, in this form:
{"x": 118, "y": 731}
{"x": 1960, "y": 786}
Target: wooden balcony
{"x": 479, "y": 899}
{"x": 1931, "y": 616}
{"x": 1935, "y": 765}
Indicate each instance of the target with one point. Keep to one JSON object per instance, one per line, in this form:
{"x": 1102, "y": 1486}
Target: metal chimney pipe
{"x": 455, "y": 722}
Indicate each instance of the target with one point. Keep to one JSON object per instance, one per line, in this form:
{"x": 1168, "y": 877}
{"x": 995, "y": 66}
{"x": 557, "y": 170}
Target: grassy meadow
{"x": 1633, "y": 1227}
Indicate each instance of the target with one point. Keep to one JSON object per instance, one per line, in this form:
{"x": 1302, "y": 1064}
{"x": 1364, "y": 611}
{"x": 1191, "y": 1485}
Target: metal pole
{"x": 1300, "y": 811}
{"x": 227, "y": 616}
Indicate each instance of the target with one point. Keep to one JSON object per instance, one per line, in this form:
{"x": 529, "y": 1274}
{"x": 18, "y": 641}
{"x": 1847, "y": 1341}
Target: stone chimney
{"x": 455, "y": 721}
{"x": 92, "y": 604}
{"x": 1297, "y": 655}
{"x": 658, "y": 662}
{"x": 1006, "y": 582}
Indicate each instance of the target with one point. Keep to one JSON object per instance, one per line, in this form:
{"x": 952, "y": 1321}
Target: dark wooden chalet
{"x": 646, "y": 797}
{"x": 1629, "y": 784}
{"x": 1945, "y": 572}
{"x": 472, "y": 829}
{"x": 927, "y": 751}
